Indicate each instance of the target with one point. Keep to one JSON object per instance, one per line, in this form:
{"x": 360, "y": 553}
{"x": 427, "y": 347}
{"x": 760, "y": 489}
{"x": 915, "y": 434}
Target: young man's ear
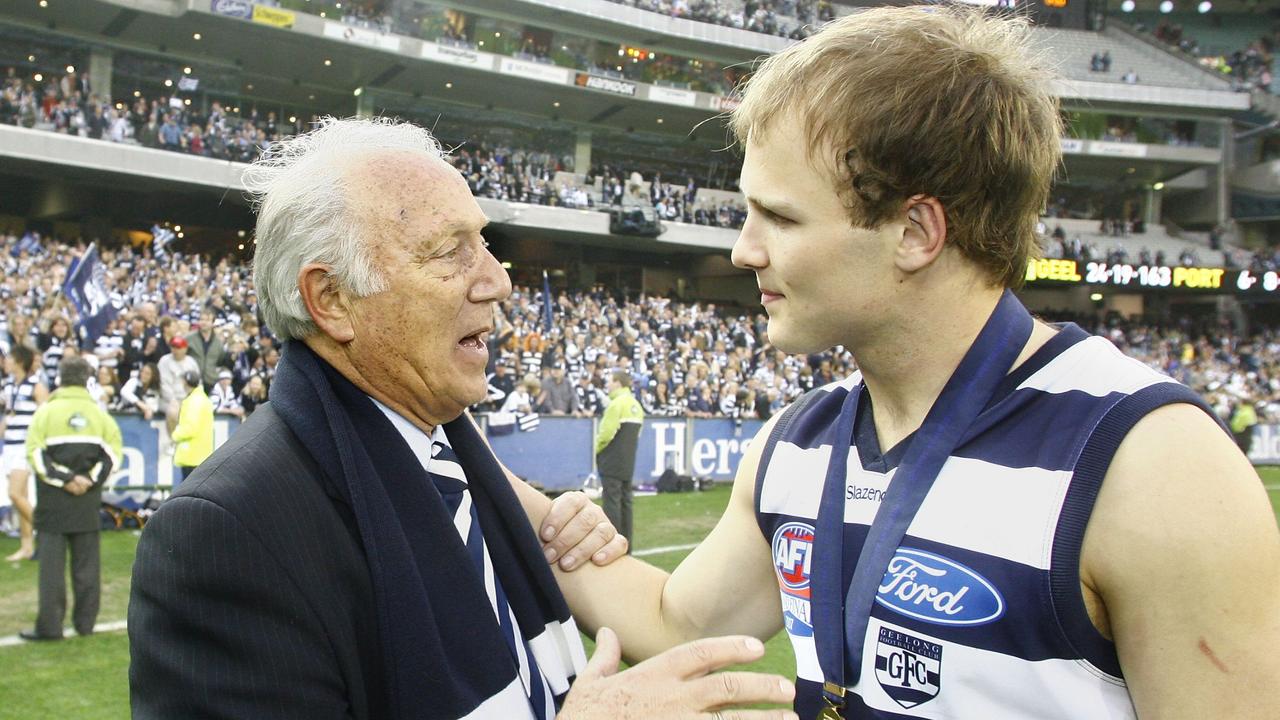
{"x": 326, "y": 302}
{"x": 923, "y": 236}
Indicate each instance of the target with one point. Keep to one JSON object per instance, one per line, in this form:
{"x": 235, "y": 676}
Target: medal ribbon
{"x": 966, "y": 393}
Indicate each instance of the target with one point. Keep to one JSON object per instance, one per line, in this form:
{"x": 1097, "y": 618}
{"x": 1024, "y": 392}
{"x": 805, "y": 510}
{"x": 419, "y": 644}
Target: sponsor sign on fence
{"x": 672, "y": 96}
{"x": 534, "y": 71}
{"x": 558, "y": 454}
{"x": 362, "y": 36}
{"x": 242, "y": 9}
{"x": 456, "y": 55}
{"x": 275, "y": 17}
{"x": 606, "y": 84}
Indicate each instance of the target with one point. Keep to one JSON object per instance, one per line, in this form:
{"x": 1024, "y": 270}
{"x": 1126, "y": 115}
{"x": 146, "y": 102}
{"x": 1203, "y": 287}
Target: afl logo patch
{"x": 792, "y": 556}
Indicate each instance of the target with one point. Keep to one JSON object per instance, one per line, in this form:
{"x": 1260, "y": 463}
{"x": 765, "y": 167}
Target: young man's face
{"x": 822, "y": 281}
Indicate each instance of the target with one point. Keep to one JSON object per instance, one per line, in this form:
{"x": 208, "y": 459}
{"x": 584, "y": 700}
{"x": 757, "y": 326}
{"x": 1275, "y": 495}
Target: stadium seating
{"x": 1072, "y": 50}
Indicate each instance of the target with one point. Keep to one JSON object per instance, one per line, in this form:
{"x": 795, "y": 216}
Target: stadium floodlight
{"x": 555, "y": 104}
{"x": 1166, "y": 7}
{"x": 1128, "y": 6}
{"x": 71, "y": 69}
{"x": 1205, "y": 7}
{"x": 186, "y": 70}
{"x": 31, "y": 58}
{"x": 195, "y": 36}
{"x": 328, "y": 62}
{"x": 1158, "y": 186}
{"x": 448, "y": 86}
{"x": 168, "y": 83}
{"x": 358, "y": 92}
{"x": 1096, "y": 297}
{"x": 38, "y": 77}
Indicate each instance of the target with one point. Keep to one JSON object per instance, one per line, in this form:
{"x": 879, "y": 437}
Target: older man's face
{"x": 422, "y": 341}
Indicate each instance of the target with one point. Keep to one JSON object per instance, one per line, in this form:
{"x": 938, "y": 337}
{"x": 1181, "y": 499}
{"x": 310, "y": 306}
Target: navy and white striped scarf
{"x": 443, "y": 651}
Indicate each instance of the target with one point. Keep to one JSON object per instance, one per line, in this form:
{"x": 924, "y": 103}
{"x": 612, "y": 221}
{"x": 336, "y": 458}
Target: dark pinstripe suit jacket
{"x": 251, "y": 596}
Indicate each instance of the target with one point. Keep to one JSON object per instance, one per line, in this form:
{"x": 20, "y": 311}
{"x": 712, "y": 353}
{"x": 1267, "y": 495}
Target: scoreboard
{"x": 1049, "y": 272}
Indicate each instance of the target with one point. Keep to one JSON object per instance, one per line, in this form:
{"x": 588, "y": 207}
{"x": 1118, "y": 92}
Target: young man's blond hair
{"x": 941, "y": 101}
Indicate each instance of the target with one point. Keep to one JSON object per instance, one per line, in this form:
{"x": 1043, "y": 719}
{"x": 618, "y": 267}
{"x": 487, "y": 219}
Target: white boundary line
{"x": 1271, "y": 486}
{"x": 11, "y": 640}
{"x": 661, "y": 550}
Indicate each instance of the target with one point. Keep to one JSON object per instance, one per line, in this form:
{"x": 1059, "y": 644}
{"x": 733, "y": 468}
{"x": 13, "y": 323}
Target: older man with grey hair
{"x": 356, "y": 550}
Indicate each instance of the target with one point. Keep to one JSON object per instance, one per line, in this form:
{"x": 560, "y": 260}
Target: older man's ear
{"x": 328, "y": 304}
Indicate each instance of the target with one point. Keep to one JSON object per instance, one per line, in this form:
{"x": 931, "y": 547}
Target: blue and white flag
{"x": 160, "y": 237}
{"x": 86, "y": 287}
{"x": 29, "y": 244}
{"x": 546, "y": 304}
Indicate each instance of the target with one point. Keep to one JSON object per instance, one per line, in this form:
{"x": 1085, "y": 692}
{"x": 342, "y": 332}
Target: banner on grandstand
{"x": 1072, "y": 146}
{"x": 144, "y": 465}
{"x": 606, "y": 84}
{"x": 725, "y": 103}
{"x": 361, "y": 36}
{"x": 274, "y": 17}
{"x": 672, "y": 96}
{"x": 456, "y": 55}
{"x": 242, "y": 9}
{"x": 1117, "y": 149}
{"x": 559, "y": 453}
{"x": 1266, "y": 445}
{"x": 186, "y": 83}
{"x": 534, "y": 71}
{"x": 85, "y": 286}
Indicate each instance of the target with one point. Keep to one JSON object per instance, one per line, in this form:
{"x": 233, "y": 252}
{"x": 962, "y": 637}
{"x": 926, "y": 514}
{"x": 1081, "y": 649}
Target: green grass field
{"x": 86, "y": 678}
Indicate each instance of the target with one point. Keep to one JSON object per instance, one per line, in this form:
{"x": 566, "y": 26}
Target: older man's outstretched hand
{"x": 679, "y": 684}
{"x": 576, "y": 529}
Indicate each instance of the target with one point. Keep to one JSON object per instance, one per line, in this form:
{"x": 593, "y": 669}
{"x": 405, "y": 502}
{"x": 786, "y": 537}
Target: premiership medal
{"x": 831, "y": 710}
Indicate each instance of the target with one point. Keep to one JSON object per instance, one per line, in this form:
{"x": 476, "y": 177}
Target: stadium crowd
{"x": 795, "y": 19}
{"x": 693, "y": 359}
{"x": 1249, "y": 68}
{"x": 63, "y": 104}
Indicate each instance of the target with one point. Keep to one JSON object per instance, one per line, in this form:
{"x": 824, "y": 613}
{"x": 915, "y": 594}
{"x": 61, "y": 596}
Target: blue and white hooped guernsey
{"x": 980, "y": 613}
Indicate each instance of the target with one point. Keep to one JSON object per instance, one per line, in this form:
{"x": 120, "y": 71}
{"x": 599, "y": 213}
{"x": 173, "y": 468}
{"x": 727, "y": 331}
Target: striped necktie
{"x": 450, "y": 480}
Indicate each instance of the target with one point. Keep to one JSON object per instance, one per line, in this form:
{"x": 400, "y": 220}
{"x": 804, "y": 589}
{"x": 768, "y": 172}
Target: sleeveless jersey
{"x": 20, "y": 397}
{"x": 980, "y": 612}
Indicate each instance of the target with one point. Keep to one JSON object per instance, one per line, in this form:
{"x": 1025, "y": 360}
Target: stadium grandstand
{"x": 591, "y": 133}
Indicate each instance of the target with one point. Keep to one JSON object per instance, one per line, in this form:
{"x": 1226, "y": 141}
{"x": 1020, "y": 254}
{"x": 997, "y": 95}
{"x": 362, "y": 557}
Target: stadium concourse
{"x": 687, "y": 359}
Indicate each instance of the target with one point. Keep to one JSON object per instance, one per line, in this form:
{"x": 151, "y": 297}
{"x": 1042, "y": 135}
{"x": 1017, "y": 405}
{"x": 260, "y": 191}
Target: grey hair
{"x": 299, "y": 189}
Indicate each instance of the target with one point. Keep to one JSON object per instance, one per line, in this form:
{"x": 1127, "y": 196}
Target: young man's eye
{"x": 776, "y": 218}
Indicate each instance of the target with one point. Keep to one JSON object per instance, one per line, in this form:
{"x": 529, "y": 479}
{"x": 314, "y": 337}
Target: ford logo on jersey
{"x": 792, "y": 558}
{"x": 934, "y": 589}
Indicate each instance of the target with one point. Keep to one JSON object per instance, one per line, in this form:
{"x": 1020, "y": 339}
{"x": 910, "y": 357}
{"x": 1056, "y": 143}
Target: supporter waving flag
{"x": 86, "y": 288}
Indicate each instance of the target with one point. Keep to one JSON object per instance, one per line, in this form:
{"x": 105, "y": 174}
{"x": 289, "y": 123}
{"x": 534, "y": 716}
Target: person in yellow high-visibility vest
{"x": 193, "y": 435}
{"x": 1243, "y": 418}
{"x": 616, "y": 443}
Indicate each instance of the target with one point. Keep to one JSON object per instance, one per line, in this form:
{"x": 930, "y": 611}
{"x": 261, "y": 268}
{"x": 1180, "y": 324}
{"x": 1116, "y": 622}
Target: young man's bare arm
{"x": 725, "y": 586}
{"x": 1184, "y": 555}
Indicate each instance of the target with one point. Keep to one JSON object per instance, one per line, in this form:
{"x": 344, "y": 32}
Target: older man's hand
{"x": 679, "y": 684}
{"x": 576, "y": 529}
